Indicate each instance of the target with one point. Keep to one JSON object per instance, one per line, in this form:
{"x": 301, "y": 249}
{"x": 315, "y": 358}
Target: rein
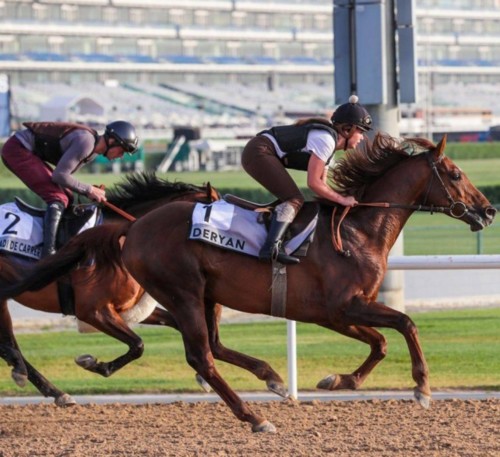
{"x": 117, "y": 210}
{"x": 457, "y": 209}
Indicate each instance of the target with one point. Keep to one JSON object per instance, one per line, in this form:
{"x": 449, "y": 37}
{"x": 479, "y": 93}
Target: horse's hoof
{"x": 421, "y": 398}
{"x": 64, "y": 400}
{"x": 327, "y": 383}
{"x": 86, "y": 361}
{"x": 202, "y": 383}
{"x": 265, "y": 426}
{"x": 19, "y": 378}
{"x": 277, "y": 388}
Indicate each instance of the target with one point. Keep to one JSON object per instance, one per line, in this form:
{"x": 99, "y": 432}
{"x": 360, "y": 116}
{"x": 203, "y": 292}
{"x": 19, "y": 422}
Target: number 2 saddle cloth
{"x": 21, "y": 226}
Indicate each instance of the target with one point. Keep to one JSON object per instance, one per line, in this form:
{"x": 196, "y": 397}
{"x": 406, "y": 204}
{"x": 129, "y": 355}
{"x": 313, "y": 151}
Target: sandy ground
{"x": 361, "y": 428}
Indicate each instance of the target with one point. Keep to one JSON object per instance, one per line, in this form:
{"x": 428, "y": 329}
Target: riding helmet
{"x": 124, "y": 134}
{"x": 352, "y": 113}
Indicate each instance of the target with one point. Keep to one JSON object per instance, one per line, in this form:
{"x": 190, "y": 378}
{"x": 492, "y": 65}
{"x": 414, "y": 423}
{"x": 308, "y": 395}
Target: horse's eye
{"x": 455, "y": 175}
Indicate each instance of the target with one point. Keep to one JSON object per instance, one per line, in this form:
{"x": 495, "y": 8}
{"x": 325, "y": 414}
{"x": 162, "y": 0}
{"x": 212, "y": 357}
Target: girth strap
{"x": 278, "y": 289}
{"x": 66, "y": 296}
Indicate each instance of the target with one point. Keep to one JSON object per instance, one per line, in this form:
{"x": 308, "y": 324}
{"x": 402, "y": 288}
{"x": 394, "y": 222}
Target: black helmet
{"x": 124, "y": 134}
{"x": 352, "y": 113}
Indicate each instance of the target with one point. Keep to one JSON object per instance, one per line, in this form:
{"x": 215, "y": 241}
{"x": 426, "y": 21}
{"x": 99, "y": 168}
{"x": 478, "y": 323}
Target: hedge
{"x": 492, "y": 193}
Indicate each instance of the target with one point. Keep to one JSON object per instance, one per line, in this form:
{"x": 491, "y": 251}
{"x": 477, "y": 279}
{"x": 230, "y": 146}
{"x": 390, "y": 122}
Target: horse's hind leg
{"x": 353, "y": 381}
{"x": 9, "y": 350}
{"x": 261, "y": 369}
{"x": 47, "y": 389}
{"x": 192, "y": 324}
{"x": 161, "y": 316}
{"x": 22, "y": 369}
{"x": 110, "y": 323}
{"x": 375, "y": 314}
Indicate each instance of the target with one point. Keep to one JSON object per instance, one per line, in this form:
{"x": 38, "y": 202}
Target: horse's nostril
{"x": 490, "y": 212}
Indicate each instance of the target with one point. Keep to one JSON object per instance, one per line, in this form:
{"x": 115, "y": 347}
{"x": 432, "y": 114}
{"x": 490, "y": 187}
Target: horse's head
{"x": 451, "y": 189}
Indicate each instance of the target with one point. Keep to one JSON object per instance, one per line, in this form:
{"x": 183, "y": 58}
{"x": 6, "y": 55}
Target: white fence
{"x": 417, "y": 262}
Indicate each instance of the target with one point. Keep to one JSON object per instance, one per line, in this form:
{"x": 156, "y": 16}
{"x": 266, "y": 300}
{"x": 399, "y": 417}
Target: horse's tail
{"x": 99, "y": 246}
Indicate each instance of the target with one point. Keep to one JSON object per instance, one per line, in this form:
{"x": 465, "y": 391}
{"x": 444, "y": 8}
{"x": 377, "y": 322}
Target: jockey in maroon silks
{"x": 307, "y": 145}
{"x": 29, "y": 154}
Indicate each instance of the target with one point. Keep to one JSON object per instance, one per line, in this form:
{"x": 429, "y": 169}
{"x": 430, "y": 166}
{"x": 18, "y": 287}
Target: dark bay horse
{"x": 333, "y": 290}
{"x": 108, "y": 299}
{"x": 102, "y": 301}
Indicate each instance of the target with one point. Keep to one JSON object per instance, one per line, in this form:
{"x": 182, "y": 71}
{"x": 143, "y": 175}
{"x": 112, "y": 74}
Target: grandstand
{"x": 232, "y": 64}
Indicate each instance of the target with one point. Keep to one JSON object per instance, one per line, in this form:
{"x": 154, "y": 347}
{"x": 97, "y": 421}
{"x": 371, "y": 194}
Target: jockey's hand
{"x": 96, "y": 194}
{"x": 349, "y": 201}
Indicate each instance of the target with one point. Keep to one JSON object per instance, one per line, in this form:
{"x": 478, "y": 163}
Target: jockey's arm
{"x": 317, "y": 183}
{"x": 77, "y": 150}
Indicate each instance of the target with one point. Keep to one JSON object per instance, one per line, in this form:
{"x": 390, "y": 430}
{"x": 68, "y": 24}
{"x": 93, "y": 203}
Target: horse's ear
{"x": 212, "y": 194}
{"x": 441, "y": 146}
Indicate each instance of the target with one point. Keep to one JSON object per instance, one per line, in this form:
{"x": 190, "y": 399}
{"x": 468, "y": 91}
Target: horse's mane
{"x": 360, "y": 167}
{"x": 146, "y": 186}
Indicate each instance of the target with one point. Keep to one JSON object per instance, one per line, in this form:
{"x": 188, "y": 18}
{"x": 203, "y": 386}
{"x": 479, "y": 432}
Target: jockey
{"x": 309, "y": 144}
{"x": 67, "y": 147}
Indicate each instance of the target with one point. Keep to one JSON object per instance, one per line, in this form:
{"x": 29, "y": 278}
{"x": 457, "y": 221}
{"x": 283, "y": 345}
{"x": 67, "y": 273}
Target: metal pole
{"x": 292, "y": 358}
{"x": 385, "y": 119}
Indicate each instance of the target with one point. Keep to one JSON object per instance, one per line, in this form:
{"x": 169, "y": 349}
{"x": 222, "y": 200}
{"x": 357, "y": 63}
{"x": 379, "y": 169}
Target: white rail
{"x": 443, "y": 262}
{"x": 417, "y": 262}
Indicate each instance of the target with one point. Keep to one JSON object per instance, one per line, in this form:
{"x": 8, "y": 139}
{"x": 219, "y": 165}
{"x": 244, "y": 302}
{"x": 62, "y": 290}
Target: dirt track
{"x": 365, "y": 428}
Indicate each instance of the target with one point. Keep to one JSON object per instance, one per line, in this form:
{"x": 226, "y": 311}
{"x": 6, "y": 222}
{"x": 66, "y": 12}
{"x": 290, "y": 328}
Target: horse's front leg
{"x": 374, "y": 314}
{"x": 378, "y": 346}
{"x": 109, "y": 322}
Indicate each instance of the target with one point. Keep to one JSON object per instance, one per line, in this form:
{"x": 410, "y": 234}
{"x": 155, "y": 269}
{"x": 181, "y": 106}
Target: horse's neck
{"x": 403, "y": 185}
{"x": 140, "y": 209}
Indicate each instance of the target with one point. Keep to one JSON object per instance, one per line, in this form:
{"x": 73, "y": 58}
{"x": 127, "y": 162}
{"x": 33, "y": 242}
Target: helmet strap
{"x": 348, "y": 135}
{"x": 108, "y": 146}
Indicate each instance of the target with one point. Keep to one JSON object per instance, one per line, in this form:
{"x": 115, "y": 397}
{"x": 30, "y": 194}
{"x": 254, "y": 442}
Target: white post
{"x": 292, "y": 358}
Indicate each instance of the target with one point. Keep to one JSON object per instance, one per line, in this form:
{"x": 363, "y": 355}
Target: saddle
{"x": 73, "y": 221}
{"x": 304, "y": 217}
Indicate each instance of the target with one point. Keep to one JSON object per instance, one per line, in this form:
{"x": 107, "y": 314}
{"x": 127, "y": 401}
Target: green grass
{"x": 461, "y": 348}
{"x": 481, "y": 172}
{"x": 437, "y": 234}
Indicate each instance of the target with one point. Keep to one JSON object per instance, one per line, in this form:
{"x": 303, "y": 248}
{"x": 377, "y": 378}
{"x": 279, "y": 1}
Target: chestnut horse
{"x": 107, "y": 298}
{"x": 335, "y": 291}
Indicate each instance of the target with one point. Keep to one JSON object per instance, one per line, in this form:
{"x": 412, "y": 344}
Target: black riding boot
{"x": 272, "y": 249}
{"x": 51, "y": 221}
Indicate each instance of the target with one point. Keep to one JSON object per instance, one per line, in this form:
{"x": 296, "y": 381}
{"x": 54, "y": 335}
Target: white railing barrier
{"x": 443, "y": 262}
{"x": 416, "y": 262}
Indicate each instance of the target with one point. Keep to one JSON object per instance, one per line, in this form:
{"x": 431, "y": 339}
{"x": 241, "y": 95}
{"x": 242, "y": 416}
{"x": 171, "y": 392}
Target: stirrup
{"x": 276, "y": 254}
{"x": 283, "y": 257}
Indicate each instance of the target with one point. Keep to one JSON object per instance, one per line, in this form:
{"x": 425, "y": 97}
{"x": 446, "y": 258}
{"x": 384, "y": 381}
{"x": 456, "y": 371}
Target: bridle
{"x": 456, "y": 209}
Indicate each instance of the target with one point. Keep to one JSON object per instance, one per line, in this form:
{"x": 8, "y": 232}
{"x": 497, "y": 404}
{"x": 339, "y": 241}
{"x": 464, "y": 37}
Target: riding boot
{"x": 51, "y": 221}
{"x": 272, "y": 249}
